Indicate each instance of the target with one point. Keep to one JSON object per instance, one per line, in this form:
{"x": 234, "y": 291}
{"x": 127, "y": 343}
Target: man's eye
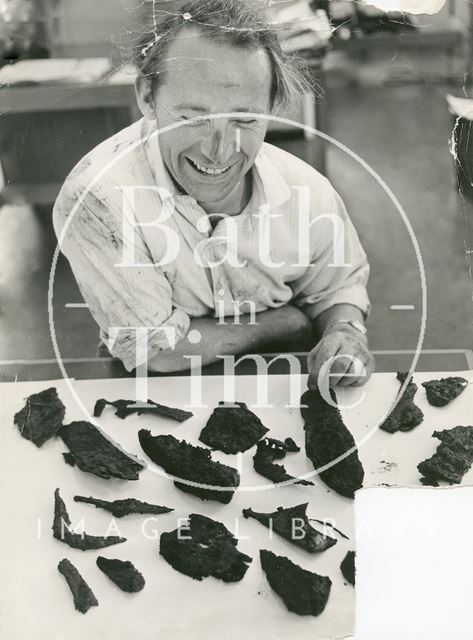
{"x": 247, "y": 122}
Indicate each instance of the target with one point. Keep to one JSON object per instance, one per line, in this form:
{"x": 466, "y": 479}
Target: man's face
{"x": 201, "y": 77}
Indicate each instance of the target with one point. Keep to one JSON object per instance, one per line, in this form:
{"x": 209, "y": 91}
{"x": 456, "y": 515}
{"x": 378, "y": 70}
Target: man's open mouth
{"x": 209, "y": 171}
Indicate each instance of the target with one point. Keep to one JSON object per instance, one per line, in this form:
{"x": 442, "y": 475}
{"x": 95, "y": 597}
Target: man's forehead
{"x": 192, "y": 51}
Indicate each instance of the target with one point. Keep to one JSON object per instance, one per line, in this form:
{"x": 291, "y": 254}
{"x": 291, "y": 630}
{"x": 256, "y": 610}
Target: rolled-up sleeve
{"x": 333, "y": 277}
{"x": 120, "y": 298}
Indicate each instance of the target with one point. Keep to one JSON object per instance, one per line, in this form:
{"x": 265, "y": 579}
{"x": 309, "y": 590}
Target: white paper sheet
{"x": 35, "y": 601}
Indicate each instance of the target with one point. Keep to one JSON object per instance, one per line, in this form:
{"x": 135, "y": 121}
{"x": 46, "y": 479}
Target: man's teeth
{"x": 208, "y": 170}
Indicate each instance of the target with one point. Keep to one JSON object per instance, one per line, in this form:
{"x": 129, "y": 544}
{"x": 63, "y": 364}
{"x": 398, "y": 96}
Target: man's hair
{"x": 232, "y": 21}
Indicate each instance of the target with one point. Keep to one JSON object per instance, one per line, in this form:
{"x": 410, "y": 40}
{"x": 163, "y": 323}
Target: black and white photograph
{"x": 236, "y": 256}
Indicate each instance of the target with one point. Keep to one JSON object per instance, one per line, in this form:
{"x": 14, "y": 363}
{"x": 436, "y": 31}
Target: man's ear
{"x": 145, "y": 96}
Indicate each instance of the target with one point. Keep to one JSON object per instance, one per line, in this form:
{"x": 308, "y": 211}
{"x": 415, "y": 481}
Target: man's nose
{"x": 219, "y": 144}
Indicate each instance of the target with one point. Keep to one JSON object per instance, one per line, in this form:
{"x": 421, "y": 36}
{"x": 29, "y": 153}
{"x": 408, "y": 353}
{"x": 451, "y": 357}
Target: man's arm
{"x": 340, "y": 338}
{"x": 284, "y": 328}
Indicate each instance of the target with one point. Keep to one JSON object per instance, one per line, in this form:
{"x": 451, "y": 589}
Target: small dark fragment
{"x": 269, "y": 450}
{"x": 123, "y": 573}
{"x": 232, "y": 429}
{"x": 293, "y": 525}
{"x": 94, "y": 453}
{"x": 347, "y": 567}
{"x": 187, "y": 462}
{"x": 302, "y": 592}
{"x": 406, "y": 414}
{"x": 41, "y": 417}
{"x": 441, "y": 392}
{"x": 125, "y": 408}
{"x": 204, "y": 548}
{"x": 82, "y": 541}
{"x": 128, "y": 506}
{"x": 69, "y": 458}
{"x": 327, "y": 438}
{"x": 81, "y": 592}
{"x": 453, "y": 458}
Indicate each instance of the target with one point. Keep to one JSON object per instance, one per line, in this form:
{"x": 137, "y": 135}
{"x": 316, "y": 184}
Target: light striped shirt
{"x": 145, "y": 255}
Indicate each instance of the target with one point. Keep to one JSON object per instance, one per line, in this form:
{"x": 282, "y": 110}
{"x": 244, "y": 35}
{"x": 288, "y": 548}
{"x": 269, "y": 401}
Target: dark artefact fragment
{"x": 81, "y": 592}
{"x": 125, "y": 408}
{"x": 269, "y": 450}
{"x": 347, "y": 567}
{"x": 83, "y": 541}
{"x": 453, "y": 458}
{"x": 232, "y": 429}
{"x": 204, "y": 548}
{"x": 327, "y": 438}
{"x": 441, "y": 392}
{"x": 122, "y": 573}
{"x": 94, "y": 453}
{"x": 302, "y": 592}
{"x": 182, "y": 460}
{"x": 293, "y": 525}
{"x": 406, "y": 414}
{"x": 41, "y": 417}
{"x": 128, "y": 506}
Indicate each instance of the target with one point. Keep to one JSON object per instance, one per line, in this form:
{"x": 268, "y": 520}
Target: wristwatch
{"x": 353, "y": 323}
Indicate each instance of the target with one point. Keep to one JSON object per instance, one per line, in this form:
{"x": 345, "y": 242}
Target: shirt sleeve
{"x": 90, "y": 236}
{"x": 339, "y": 269}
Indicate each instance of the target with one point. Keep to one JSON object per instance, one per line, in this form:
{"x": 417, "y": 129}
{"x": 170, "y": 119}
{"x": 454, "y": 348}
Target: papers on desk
{"x": 54, "y": 70}
{"x": 301, "y": 27}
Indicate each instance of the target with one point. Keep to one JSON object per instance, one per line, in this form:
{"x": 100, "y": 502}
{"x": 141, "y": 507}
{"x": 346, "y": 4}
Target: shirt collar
{"x": 268, "y": 180}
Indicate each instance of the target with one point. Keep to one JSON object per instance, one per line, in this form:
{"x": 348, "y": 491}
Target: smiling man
{"x": 188, "y": 233}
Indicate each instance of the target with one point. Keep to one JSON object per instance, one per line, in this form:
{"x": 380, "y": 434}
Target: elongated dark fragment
{"x": 82, "y": 541}
{"x": 94, "y": 453}
{"x": 125, "y": 408}
{"x": 187, "y": 462}
{"x": 406, "y": 415}
{"x": 123, "y": 573}
{"x": 125, "y": 507}
{"x": 302, "y": 591}
{"x": 232, "y": 429}
{"x": 453, "y": 458}
{"x": 204, "y": 548}
{"x": 41, "y": 417}
{"x": 327, "y": 438}
{"x": 442, "y": 392}
{"x": 293, "y": 525}
{"x": 347, "y": 567}
{"x": 267, "y": 451}
{"x": 81, "y": 592}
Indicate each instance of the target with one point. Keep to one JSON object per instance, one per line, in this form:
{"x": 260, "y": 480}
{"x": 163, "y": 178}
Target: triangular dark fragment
{"x": 293, "y": 525}
{"x": 94, "y": 453}
{"x": 406, "y": 415}
{"x": 41, "y": 417}
{"x": 302, "y": 592}
{"x": 347, "y": 567}
{"x": 267, "y": 451}
{"x": 204, "y": 548}
{"x": 123, "y": 573}
{"x": 326, "y": 439}
{"x": 453, "y": 458}
{"x": 441, "y": 392}
{"x": 81, "y": 592}
{"x": 125, "y": 408}
{"x": 82, "y": 541}
{"x": 187, "y": 462}
{"x": 125, "y": 507}
{"x": 232, "y": 429}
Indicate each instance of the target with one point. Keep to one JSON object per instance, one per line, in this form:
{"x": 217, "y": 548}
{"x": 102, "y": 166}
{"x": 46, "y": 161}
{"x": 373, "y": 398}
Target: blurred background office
{"x": 393, "y": 88}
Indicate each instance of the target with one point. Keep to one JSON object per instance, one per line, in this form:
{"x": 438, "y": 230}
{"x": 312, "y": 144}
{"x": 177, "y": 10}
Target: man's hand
{"x": 341, "y": 340}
